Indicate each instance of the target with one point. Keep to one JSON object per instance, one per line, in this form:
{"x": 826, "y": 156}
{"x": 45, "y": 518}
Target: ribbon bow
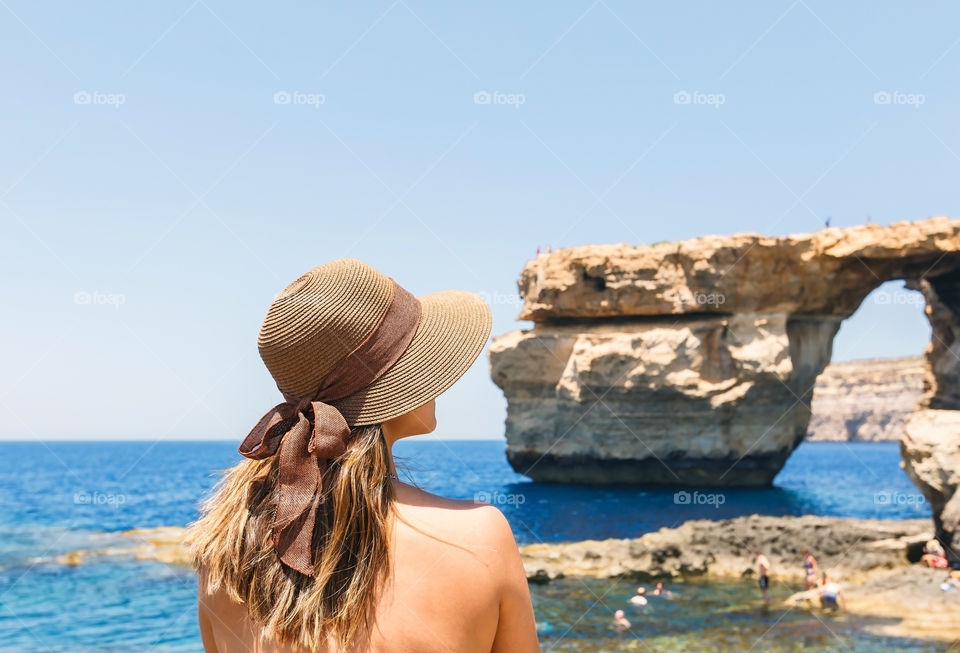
{"x": 304, "y": 450}
{"x": 307, "y": 432}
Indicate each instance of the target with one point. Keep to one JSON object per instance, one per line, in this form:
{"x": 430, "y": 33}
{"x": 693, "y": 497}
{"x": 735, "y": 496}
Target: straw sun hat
{"x": 327, "y": 313}
{"x": 348, "y": 346}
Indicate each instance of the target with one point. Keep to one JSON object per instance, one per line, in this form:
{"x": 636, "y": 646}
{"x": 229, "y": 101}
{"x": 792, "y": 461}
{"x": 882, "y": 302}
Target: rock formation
{"x": 931, "y": 441}
{"x": 723, "y": 549}
{"x": 865, "y": 400}
{"x": 693, "y": 362}
{"x": 931, "y": 458}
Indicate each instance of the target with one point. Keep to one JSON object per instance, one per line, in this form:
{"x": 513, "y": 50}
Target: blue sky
{"x": 149, "y": 164}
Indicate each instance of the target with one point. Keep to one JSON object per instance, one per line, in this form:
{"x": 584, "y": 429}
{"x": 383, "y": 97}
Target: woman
{"x": 934, "y": 556}
{"x": 810, "y": 569}
{"x": 312, "y": 543}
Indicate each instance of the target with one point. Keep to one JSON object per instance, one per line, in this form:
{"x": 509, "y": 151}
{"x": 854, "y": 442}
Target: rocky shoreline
{"x": 871, "y": 558}
{"x": 723, "y": 549}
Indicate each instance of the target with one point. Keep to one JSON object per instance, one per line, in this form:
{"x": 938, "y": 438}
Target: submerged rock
{"x": 161, "y": 544}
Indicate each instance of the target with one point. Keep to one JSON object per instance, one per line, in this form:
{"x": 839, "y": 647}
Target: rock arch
{"x": 693, "y": 362}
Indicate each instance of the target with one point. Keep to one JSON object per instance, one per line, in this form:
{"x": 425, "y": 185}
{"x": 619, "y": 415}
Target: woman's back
{"x": 456, "y": 583}
{"x": 311, "y": 541}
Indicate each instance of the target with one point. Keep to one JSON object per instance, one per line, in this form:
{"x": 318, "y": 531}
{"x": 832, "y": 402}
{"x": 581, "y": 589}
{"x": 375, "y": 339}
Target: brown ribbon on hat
{"x": 308, "y": 431}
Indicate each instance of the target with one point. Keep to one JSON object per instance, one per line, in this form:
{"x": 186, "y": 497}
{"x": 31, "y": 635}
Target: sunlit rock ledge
{"x": 723, "y": 549}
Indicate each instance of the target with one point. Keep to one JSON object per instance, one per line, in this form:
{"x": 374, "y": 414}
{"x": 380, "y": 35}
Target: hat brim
{"x": 454, "y": 327}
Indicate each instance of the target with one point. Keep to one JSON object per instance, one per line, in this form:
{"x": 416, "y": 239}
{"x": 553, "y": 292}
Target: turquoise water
{"x": 61, "y": 497}
{"x": 576, "y": 615}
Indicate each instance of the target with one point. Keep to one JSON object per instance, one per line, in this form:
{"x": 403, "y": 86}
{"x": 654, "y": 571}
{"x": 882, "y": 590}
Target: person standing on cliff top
{"x": 763, "y": 571}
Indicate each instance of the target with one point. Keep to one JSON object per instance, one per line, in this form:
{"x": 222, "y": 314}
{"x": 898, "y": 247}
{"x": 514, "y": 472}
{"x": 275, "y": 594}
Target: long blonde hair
{"x": 231, "y": 545}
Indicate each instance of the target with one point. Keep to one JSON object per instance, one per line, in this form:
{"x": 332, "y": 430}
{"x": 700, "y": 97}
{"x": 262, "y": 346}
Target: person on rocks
{"x": 831, "y": 594}
{"x": 763, "y": 574}
{"x": 934, "y": 555}
{"x": 810, "y": 569}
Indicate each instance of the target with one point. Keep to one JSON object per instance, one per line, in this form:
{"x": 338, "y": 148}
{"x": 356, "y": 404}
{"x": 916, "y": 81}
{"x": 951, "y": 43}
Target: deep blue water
{"x": 58, "y": 497}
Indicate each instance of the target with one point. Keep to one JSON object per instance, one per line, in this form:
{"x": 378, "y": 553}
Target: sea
{"x": 61, "y": 497}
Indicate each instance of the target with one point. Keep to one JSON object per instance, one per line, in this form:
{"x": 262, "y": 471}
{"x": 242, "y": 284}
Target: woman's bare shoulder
{"x": 472, "y": 521}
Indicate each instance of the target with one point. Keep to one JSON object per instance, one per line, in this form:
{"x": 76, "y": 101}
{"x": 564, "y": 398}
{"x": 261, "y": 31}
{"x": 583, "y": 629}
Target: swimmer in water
{"x": 620, "y": 622}
{"x": 659, "y": 591}
{"x": 639, "y": 599}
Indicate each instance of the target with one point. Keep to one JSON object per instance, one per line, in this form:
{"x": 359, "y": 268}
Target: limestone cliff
{"x": 931, "y": 458}
{"x": 694, "y": 362}
{"x": 865, "y": 400}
